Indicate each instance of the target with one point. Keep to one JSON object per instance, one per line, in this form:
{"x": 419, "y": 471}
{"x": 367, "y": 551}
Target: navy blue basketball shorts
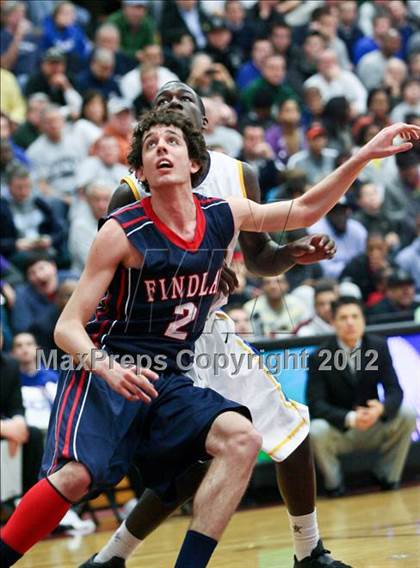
{"x": 174, "y": 431}
{"x": 92, "y": 424}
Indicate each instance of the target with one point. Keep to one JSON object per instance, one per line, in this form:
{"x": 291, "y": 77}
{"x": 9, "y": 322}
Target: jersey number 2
{"x": 189, "y": 313}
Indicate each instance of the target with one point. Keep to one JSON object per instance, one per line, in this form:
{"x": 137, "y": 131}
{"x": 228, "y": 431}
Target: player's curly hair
{"x": 193, "y": 137}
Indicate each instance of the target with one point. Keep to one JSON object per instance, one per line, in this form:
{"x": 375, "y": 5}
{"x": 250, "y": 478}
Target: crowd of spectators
{"x": 289, "y": 86}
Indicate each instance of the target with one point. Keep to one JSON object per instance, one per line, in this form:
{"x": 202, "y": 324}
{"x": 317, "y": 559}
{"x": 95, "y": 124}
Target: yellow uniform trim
{"x": 241, "y": 178}
{"x": 132, "y": 186}
{"x": 288, "y": 437}
{"x": 221, "y": 315}
{"x": 287, "y": 403}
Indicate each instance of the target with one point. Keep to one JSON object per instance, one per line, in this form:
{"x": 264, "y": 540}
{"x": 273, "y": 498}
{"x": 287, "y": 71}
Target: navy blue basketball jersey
{"x": 161, "y": 308}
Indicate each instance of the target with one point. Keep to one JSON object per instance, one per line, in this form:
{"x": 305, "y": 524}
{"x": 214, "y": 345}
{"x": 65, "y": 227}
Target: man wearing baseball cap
{"x": 54, "y": 81}
{"x": 317, "y": 161}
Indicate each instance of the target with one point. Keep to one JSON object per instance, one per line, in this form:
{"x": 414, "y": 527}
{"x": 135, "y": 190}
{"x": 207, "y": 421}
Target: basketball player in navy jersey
{"x": 156, "y": 266}
{"x": 275, "y": 418}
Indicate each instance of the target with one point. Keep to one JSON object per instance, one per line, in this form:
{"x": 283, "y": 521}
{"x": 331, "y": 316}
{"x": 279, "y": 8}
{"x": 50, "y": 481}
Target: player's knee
{"x": 320, "y": 430}
{"x": 407, "y": 417}
{"x": 244, "y": 443}
{"x": 72, "y": 481}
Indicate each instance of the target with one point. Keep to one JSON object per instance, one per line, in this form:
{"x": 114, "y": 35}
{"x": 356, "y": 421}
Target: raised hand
{"x": 386, "y": 143}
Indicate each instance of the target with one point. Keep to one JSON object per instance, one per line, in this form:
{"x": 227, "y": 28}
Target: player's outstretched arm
{"x": 315, "y": 203}
{"x": 109, "y": 249}
{"x": 265, "y": 257}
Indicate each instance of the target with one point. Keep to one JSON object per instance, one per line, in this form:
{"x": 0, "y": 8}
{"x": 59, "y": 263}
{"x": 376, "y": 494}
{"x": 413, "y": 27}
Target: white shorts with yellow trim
{"x": 225, "y": 363}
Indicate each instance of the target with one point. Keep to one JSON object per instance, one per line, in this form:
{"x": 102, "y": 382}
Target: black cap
{"x": 398, "y": 277}
{"x": 54, "y": 54}
{"x": 216, "y": 23}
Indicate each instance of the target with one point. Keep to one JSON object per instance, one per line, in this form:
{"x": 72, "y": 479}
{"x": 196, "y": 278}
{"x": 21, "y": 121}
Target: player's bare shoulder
{"x": 121, "y": 197}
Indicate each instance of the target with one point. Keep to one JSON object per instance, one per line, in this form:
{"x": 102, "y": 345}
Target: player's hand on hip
{"x": 228, "y": 281}
{"x": 398, "y": 137}
{"x": 132, "y": 383}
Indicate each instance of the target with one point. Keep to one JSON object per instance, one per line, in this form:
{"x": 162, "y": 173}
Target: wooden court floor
{"x": 378, "y": 530}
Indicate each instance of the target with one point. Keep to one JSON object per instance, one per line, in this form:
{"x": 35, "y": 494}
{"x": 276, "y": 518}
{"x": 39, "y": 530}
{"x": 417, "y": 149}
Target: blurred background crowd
{"x": 290, "y": 87}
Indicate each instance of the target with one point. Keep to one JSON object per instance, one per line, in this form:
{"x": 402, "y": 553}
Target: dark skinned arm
{"x": 265, "y": 257}
{"x": 121, "y": 197}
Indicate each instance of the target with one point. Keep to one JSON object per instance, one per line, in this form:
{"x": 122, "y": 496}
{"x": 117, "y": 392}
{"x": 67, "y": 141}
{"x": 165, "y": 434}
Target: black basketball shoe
{"x": 319, "y": 558}
{"x": 115, "y": 562}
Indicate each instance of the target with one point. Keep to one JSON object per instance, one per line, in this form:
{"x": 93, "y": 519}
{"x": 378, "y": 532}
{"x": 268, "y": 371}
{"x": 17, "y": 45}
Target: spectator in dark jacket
{"x": 19, "y": 45}
{"x": 37, "y": 297}
{"x": 99, "y": 76}
{"x": 178, "y": 56}
{"x": 342, "y": 393}
{"x": 348, "y": 30}
{"x": 53, "y": 80}
{"x": 107, "y": 36}
{"x": 219, "y": 45}
{"x": 62, "y": 31}
{"x": 260, "y": 156}
{"x": 28, "y": 131}
{"x": 371, "y": 213}
{"x": 366, "y": 270}
{"x": 399, "y": 303}
{"x": 241, "y": 28}
{"x": 13, "y": 425}
{"x": 28, "y": 222}
{"x": 183, "y": 16}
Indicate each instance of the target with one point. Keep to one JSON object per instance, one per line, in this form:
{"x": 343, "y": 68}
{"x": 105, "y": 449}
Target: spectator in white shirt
{"x": 349, "y": 235}
{"x": 104, "y": 165}
{"x": 321, "y": 324}
{"x": 325, "y": 21}
{"x": 130, "y": 84}
{"x": 84, "y": 225}
{"x": 371, "y": 67}
{"x": 395, "y": 74}
{"x": 410, "y": 103}
{"x": 218, "y": 135}
{"x": 333, "y": 81}
{"x": 275, "y": 312}
{"x": 317, "y": 161}
{"x": 55, "y": 156}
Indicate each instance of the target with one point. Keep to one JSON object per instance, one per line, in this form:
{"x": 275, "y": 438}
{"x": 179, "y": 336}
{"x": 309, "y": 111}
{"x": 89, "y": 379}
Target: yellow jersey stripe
{"x": 132, "y": 186}
{"x": 241, "y": 178}
{"x": 288, "y": 437}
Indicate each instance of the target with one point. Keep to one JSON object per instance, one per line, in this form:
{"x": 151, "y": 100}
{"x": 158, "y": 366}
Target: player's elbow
{"x": 59, "y": 334}
{"x": 306, "y": 216}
